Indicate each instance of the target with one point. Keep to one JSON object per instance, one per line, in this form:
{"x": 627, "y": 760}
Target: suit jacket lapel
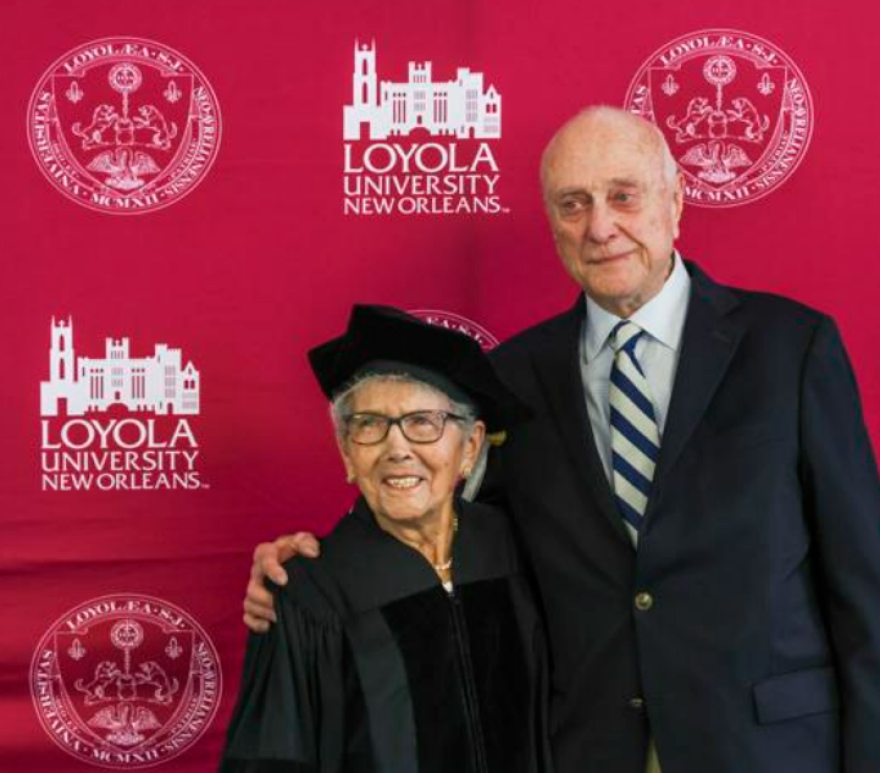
{"x": 559, "y": 374}
{"x": 710, "y": 338}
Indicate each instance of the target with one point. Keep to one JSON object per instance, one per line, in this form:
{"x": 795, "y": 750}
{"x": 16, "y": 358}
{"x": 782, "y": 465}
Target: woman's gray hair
{"x": 340, "y": 406}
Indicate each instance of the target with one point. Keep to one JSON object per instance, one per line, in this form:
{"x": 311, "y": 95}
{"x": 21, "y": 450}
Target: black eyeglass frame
{"x": 390, "y": 421}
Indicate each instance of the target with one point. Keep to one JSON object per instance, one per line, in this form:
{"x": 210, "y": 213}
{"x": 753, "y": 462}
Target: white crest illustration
{"x": 121, "y": 686}
{"x": 160, "y": 384}
{"x": 459, "y": 108}
{"x": 120, "y": 132}
{"x": 721, "y": 127}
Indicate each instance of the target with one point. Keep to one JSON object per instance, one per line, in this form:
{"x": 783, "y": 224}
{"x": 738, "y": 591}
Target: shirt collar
{"x": 662, "y": 317}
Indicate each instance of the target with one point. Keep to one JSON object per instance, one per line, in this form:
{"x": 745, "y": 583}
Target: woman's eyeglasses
{"x": 368, "y": 429}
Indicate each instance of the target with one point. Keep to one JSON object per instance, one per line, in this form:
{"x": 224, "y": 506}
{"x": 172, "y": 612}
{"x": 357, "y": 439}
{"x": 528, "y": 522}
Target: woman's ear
{"x": 342, "y": 445}
{"x": 472, "y": 448}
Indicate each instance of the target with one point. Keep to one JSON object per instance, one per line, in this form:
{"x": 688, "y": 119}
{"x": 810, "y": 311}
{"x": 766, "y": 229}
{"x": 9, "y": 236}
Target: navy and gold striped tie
{"x": 635, "y": 437}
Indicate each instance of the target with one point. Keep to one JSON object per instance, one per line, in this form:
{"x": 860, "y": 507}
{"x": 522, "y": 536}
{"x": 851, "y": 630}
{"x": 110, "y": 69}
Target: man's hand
{"x": 268, "y": 557}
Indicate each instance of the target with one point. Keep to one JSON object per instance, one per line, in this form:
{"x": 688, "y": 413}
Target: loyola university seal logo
{"x": 735, "y": 110}
{"x": 420, "y": 145}
{"x": 459, "y": 324}
{"x": 126, "y": 681}
{"x": 117, "y": 422}
{"x": 124, "y": 125}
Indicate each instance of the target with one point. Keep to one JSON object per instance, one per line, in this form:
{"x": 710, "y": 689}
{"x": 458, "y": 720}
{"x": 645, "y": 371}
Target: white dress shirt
{"x": 662, "y": 318}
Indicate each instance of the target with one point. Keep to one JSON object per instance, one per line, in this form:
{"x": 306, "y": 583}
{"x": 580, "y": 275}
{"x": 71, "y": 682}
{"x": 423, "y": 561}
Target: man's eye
{"x": 569, "y": 206}
{"x": 622, "y": 197}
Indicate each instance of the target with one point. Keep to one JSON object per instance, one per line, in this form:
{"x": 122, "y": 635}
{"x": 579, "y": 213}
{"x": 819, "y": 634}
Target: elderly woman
{"x": 412, "y": 644}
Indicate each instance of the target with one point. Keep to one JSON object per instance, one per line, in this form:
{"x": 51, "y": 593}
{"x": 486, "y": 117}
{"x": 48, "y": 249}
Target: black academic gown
{"x": 373, "y": 666}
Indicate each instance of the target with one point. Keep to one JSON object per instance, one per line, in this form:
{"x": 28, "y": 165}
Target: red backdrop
{"x": 260, "y": 260}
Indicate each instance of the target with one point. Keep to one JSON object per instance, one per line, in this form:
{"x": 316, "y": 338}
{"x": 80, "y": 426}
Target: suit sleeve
{"x": 842, "y": 499}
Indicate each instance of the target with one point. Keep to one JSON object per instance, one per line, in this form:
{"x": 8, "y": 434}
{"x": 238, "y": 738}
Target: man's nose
{"x": 602, "y": 226}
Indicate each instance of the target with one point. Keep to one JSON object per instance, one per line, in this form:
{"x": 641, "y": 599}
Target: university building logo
{"x": 460, "y": 108}
{"x": 118, "y": 422}
{"x": 124, "y": 125}
{"x": 125, "y": 681}
{"x": 420, "y": 146}
{"x": 735, "y": 110}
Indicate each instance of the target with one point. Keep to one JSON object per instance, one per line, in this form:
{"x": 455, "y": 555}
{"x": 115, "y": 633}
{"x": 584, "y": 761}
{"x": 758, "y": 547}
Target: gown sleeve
{"x": 290, "y": 712}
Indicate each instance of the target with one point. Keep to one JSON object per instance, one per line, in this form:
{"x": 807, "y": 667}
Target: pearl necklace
{"x": 447, "y": 565}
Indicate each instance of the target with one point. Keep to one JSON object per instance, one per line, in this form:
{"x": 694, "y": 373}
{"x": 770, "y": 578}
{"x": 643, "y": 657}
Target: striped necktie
{"x": 635, "y": 437}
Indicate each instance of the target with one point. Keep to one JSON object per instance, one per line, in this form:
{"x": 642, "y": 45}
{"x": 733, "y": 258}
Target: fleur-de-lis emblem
{"x": 173, "y": 650}
{"x": 74, "y": 93}
{"x": 765, "y": 85}
{"x": 669, "y": 86}
{"x": 172, "y": 92}
{"x": 76, "y": 650}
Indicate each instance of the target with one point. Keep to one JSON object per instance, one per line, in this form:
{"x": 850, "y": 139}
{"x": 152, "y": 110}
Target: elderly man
{"x": 696, "y": 492}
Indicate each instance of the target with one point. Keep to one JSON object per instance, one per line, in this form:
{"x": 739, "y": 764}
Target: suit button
{"x": 644, "y": 601}
{"x": 637, "y": 703}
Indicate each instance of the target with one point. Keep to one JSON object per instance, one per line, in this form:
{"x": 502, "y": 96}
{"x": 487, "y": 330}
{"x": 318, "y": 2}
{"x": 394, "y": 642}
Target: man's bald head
{"x": 595, "y": 123}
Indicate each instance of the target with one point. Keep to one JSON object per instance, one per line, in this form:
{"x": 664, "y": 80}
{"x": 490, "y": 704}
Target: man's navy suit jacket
{"x": 760, "y": 549}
